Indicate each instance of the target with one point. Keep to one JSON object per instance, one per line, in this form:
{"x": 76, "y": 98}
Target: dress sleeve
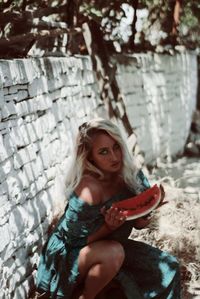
{"x": 143, "y": 181}
{"x": 79, "y": 222}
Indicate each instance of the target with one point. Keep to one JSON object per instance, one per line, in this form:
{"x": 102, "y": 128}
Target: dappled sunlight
{"x": 39, "y": 122}
{"x": 176, "y": 226}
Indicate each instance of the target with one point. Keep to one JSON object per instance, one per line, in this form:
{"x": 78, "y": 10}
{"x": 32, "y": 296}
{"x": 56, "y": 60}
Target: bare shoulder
{"x": 90, "y": 190}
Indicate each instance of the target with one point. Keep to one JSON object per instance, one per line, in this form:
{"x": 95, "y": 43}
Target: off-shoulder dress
{"x": 147, "y": 272}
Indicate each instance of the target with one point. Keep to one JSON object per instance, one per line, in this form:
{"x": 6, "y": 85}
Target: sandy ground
{"x": 176, "y": 225}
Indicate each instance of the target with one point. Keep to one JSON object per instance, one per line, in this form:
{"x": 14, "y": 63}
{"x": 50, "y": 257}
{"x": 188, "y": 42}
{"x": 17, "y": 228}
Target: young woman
{"x": 90, "y": 244}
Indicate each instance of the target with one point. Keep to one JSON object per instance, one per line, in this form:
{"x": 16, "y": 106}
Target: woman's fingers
{"x": 113, "y": 217}
{"x": 162, "y": 192}
{"x": 115, "y": 213}
{"x": 162, "y": 202}
{"x": 103, "y": 211}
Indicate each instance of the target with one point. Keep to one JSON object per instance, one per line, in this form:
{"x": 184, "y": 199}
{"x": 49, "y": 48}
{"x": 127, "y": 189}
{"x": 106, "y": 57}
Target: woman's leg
{"x": 98, "y": 263}
{"x": 155, "y": 272}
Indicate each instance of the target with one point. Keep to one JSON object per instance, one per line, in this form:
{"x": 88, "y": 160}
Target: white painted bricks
{"x": 160, "y": 99}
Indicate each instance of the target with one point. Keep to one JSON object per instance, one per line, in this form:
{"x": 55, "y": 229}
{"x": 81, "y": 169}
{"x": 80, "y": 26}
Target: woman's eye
{"x": 103, "y": 152}
{"x": 116, "y": 146}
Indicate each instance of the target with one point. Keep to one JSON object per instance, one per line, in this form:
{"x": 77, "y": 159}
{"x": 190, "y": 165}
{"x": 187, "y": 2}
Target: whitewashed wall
{"x": 160, "y": 95}
{"x": 42, "y": 102}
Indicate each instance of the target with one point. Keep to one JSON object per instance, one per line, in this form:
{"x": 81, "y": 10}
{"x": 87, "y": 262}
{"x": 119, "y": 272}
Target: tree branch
{"x": 36, "y": 35}
{"x": 10, "y": 17}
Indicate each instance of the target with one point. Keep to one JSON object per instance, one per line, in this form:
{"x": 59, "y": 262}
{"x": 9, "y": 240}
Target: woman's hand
{"x": 114, "y": 217}
{"x": 142, "y": 222}
{"x": 162, "y": 202}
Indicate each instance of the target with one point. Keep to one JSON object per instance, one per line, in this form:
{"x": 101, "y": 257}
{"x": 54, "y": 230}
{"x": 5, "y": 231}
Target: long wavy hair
{"x": 81, "y": 162}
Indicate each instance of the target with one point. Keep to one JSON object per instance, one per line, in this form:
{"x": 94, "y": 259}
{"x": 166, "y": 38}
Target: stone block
{"x": 5, "y": 89}
{"x": 24, "y": 156}
{"x": 135, "y": 98}
{"x": 9, "y": 145}
{"x": 86, "y": 77}
{"x": 44, "y": 124}
{"x": 22, "y": 95}
{"x": 18, "y": 221}
{"x": 1, "y": 78}
{"x": 8, "y": 111}
{"x": 6, "y": 76}
{"x": 13, "y": 89}
{"x": 11, "y": 97}
{"x": 24, "y": 70}
{"x": 22, "y": 290}
{"x": 2, "y": 95}
{"x": 33, "y": 170}
{"x": 4, "y": 236}
{"x": 37, "y": 186}
{"x": 50, "y": 154}
{"x": 85, "y": 63}
{"x": 132, "y": 80}
{"x": 5, "y": 209}
{"x": 58, "y": 112}
{"x": 6, "y": 167}
{"x": 39, "y": 208}
{"x": 38, "y": 86}
{"x": 3, "y": 150}
{"x": 14, "y": 186}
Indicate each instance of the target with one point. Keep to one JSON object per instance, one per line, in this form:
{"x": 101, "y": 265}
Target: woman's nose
{"x": 114, "y": 156}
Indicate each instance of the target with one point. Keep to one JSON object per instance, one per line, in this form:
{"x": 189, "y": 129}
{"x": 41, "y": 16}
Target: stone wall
{"x": 42, "y": 103}
{"x": 160, "y": 96}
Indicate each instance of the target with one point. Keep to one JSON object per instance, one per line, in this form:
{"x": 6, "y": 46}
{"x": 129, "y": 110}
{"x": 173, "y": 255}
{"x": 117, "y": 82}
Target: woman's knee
{"x": 108, "y": 253}
{"x": 116, "y": 255}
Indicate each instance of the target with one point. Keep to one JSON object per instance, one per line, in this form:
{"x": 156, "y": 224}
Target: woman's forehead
{"x": 102, "y": 139}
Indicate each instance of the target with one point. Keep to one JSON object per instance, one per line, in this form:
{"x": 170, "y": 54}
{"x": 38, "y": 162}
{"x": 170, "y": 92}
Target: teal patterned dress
{"x": 146, "y": 272}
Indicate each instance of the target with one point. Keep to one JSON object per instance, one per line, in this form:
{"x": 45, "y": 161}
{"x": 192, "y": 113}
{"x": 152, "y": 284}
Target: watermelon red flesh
{"x": 141, "y": 204}
{"x": 136, "y": 201}
{"x": 143, "y": 210}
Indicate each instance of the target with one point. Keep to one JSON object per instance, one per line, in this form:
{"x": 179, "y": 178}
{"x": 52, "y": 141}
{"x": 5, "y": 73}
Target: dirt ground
{"x": 176, "y": 225}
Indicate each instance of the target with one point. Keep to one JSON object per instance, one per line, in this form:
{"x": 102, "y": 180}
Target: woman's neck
{"x": 112, "y": 179}
{"x": 108, "y": 179}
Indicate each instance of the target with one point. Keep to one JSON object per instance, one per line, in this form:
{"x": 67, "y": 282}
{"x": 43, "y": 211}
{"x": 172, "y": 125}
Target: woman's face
{"x": 106, "y": 153}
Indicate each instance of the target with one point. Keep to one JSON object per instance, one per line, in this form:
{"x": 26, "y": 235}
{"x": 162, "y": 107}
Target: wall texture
{"x": 160, "y": 96}
{"x": 42, "y": 103}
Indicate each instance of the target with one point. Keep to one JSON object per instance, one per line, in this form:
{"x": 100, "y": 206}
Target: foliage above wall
{"x": 54, "y": 27}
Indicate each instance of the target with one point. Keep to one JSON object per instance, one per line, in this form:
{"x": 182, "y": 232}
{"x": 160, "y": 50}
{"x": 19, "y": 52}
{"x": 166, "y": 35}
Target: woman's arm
{"x": 91, "y": 191}
{"x": 114, "y": 218}
{"x": 142, "y": 222}
{"x": 101, "y": 233}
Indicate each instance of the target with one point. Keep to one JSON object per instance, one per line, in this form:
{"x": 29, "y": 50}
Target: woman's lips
{"x": 115, "y": 164}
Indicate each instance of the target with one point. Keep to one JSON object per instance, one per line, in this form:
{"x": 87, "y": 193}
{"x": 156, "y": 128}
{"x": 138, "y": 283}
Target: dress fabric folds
{"x": 146, "y": 273}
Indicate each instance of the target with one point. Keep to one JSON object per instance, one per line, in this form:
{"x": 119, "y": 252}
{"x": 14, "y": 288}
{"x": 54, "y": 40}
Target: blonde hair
{"x": 81, "y": 163}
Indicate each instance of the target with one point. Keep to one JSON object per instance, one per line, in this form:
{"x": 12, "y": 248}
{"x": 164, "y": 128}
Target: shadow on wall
{"x": 160, "y": 96}
{"x": 41, "y": 109}
{"x": 198, "y": 92}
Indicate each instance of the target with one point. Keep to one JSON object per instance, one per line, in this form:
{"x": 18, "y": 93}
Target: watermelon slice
{"x": 141, "y": 204}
